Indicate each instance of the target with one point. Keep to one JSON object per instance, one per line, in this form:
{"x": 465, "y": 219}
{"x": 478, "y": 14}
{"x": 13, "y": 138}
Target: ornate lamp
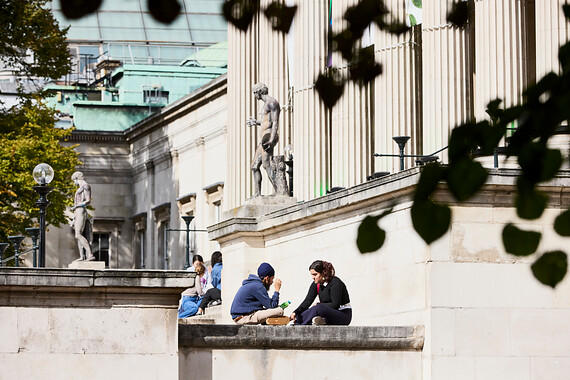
{"x": 43, "y": 175}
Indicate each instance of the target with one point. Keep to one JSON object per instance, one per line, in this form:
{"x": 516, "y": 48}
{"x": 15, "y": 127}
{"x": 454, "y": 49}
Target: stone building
{"x": 482, "y": 313}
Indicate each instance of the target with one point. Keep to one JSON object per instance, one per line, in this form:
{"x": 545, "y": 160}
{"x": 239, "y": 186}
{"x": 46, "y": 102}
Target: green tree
{"x": 33, "y": 46}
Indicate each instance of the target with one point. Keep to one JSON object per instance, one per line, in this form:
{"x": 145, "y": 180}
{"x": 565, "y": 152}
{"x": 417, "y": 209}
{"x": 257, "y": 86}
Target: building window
{"x": 162, "y": 219}
{"x": 139, "y": 223}
{"x": 214, "y": 195}
{"x": 155, "y": 95}
{"x": 101, "y": 247}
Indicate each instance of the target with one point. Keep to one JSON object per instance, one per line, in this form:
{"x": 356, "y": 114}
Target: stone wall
{"x": 85, "y": 324}
{"x": 484, "y": 313}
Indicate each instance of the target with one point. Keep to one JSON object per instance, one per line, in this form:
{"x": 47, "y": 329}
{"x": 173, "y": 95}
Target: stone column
{"x": 397, "y": 92}
{"x": 502, "y": 54}
{"x": 447, "y": 67}
{"x": 242, "y": 74}
{"x": 311, "y": 133}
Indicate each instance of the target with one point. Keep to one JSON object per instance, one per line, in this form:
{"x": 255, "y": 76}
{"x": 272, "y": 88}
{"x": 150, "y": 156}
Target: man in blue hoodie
{"x": 252, "y": 305}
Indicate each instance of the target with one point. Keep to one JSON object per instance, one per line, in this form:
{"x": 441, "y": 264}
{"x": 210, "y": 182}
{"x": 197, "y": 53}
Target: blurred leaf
{"x": 564, "y": 57}
{"x": 280, "y": 16}
{"x": 430, "y": 176}
{"x": 364, "y": 67}
{"x": 330, "y": 87}
{"x": 538, "y": 162}
{"x": 344, "y": 43}
{"x": 459, "y": 13}
{"x": 494, "y": 111}
{"x": 566, "y": 9}
{"x": 417, "y": 3}
{"x": 396, "y": 28}
{"x": 518, "y": 242}
{"x": 462, "y": 141}
{"x": 240, "y": 13}
{"x": 550, "y": 268}
{"x": 562, "y": 224}
{"x": 362, "y": 14}
{"x": 74, "y": 9}
{"x": 164, "y": 11}
{"x": 465, "y": 177}
{"x": 431, "y": 221}
{"x": 530, "y": 203}
{"x": 370, "y": 236}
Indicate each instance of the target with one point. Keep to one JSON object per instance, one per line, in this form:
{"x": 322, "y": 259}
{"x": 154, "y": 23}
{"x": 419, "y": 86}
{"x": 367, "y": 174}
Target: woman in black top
{"x": 334, "y": 307}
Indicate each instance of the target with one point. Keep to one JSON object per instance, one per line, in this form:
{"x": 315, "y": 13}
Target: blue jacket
{"x": 252, "y": 296}
{"x": 217, "y": 276}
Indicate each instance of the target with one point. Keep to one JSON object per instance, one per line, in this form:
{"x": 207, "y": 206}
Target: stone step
{"x": 212, "y": 316}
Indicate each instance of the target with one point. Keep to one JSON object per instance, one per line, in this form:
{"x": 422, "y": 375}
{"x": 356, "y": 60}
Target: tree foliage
{"x": 33, "y": 45}
{"x": 31, "y": 41}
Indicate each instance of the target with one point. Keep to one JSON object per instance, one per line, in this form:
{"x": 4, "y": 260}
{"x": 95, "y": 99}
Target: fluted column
{"x": 502, "y": 56}
{"x": 311, "y": 140}
{"x": 551, "y": 32}
{"x": 447, "y": 66}
{"x": 242, "y": 74}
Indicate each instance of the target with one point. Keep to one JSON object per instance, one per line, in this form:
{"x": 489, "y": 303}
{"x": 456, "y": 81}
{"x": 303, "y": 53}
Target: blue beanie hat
{"x": 265, "y": 270}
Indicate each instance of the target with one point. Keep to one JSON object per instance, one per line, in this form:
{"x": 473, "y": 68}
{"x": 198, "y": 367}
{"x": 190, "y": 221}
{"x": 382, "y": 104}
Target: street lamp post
{"x": 43, "y": 175}
{"x": 187, "y": 219}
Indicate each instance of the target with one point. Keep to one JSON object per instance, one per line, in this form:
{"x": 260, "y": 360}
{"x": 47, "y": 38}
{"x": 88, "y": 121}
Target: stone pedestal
{"x": 87, "y": 265}
{"x": 262, "y": 205}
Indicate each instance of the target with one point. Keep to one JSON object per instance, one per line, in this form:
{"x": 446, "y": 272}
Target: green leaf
{"x": 417, "y": 3}
{"x": 562, "y": 224}
{"x": 518, "y": 242}
{"x": 530, "y": 203}
{"x": 240, "y": 13}
{"x": 280, "y": 16}
{"x": 413, "y": 21}
{"x": 431, "y": 221}
{"x": 370, "y": 236}
{"x": 465, "y": 177}
{"x": 550, "y": 268}
{"x": 330, "y": 87}
{"x": 164, "y": 11}
{"x": 459, "y": 13}
{"x": 430, "y": 176}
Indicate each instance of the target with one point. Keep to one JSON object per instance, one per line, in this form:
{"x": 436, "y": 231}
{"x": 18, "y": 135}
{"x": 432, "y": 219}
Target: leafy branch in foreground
{"x": 543, "y": 114}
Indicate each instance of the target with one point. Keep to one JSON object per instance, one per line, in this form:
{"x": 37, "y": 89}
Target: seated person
{"x": 191, "y": 296}
{"x": 252, "y": 305}
{"x": 213, "y": 295}
{"x": 206, "y": 278}
{"x": 334, "y": 308}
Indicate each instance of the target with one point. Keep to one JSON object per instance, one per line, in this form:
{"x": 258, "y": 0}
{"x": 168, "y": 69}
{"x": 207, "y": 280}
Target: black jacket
{"x": 332, "y": 295}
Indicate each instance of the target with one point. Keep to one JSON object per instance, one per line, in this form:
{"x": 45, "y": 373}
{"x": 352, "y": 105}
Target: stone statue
{"x": 268, "y": 136}
{"x": 82, "y": 224}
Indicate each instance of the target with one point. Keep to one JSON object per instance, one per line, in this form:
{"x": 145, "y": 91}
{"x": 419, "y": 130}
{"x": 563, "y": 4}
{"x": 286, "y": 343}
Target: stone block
{"x": 502, "y": 368}
{"x": 482, "y": 332}
{"x": 549, "y": 368}
{"x": 453, "y": 368}
{"x": 9, "y": 343}
{"x": 541, "y": 332}
{"x": 442, "y": 332}
{"x": 485, "y": 285}
{"x": 97, "y": 265}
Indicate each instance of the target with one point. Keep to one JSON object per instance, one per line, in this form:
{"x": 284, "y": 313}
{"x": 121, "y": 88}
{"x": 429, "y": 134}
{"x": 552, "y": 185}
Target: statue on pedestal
{"x": 82, "y": 224}
{"x": 268, "y": 137}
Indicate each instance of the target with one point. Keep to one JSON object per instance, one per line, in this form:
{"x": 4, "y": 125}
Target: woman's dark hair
{"x": 216, "y": 258}
{"x": 325, "y": 268}
{"x": 197, "y": 257}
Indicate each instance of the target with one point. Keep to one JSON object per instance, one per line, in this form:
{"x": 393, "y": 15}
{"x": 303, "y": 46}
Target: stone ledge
{"x": 47, "y": 287}
{"x": 389, "y": 338}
